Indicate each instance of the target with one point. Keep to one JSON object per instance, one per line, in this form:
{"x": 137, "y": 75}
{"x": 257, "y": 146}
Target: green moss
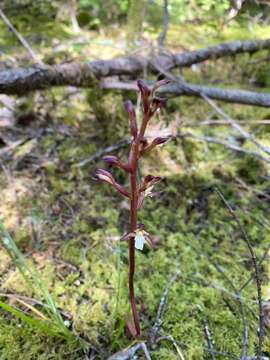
{"x": 108, "y": 109}
{"x": 20, "y": 342}
{"x": 251, "y": 170}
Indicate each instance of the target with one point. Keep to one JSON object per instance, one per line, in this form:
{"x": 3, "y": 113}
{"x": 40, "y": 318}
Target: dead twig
{"x": 245, "y": 342}
{"x": 166, "y": 18}
{"x": 102, "y": 152}
{"x": 253, "y": 274}
{"x": 226, "y": 144}
{"x": 172, "y": 340}
{"x": 12, "y": 146}
{"x": 175, "y": 89}
{"x": 130, "y": 352}
{"x": 256, "y": 268}
{"x": 161, "y": 309}
{"x": 260, "y": 194}
{"x": 235, "y": 125}
{"x": 255, "y": 358}
{"x": 235, "y": 9}
{"x": 210, "y": 343}
{"x": 146, "y": 352}
{"x": 20, "y": 38}
{"x": 222, "y": 122}
{"x": 224, "y": 354}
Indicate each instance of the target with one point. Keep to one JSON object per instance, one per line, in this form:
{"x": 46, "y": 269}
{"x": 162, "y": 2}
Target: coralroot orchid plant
{"x": 137, "y": 191}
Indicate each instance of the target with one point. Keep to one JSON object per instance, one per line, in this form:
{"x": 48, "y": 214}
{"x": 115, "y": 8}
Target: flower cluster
{"x": 137, "y": 192}
{"x": 151, "y": 104}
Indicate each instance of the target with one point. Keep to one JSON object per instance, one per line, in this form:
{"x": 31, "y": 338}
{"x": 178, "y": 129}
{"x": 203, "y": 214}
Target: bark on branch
{"x": 22, "y": 80}
{"x": 228, "y": 95}
{"x": 183, "y": 88}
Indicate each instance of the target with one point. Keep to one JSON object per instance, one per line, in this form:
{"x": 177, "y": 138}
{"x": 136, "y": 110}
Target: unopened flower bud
{"x": 154, "y": 143}
{"x": 111, "y": 159}
{"x": 132, "y": 117}
{"x": 145, "y": 92}
{"x": 144, "y": 89}
{"x": 104, "y": 175}
{"x": 114, "y": 161}
{"x": 160, "y": 140}
{"x": 159, "y": 84}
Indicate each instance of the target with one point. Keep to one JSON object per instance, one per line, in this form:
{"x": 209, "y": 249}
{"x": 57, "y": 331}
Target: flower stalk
{"x": 137, "y": 191}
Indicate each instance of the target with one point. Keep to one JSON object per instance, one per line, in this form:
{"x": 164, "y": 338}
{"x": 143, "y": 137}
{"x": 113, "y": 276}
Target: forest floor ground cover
{"x": 69, "y": 227}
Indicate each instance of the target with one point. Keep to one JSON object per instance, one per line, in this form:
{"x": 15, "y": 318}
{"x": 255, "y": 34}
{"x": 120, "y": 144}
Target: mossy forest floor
{"x": 69, "y": 227}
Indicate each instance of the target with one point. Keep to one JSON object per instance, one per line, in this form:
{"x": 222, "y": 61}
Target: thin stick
{"x": 245, "y": 342}
{"x": 223, "y": 122}
{"x": 166, "y": 16}
{"x": 130, "y": 352}
{"x": 235, "y": 125}
{"x": 162, "y": 305}
{"x": 103, "y": 152}
{"x": 253, "y": 274}
{"x": 229, "y": 355}
{"x": 228, "y": 145}
{"x": 209, "y": 340}
{"x": 20, "y": 38}
{"x": 256, "y": 267}
{"x": 146, "y": 352}
{"x": 170, "y": 338}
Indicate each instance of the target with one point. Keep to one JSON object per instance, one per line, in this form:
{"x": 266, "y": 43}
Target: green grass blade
{"x": 32, "y": 278}
{"x": 43, "y": 325}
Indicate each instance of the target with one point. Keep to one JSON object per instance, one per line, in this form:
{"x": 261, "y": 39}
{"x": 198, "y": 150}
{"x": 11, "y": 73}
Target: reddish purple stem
{"x": 136, "y": 194}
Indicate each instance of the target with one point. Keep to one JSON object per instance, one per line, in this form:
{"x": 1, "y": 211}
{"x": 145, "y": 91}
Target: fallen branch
{"x": 22, "y": 80}
{"x": 228, "y": 95}
{"x": 218, "y": 51}
{"x": 239, "y": 96}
